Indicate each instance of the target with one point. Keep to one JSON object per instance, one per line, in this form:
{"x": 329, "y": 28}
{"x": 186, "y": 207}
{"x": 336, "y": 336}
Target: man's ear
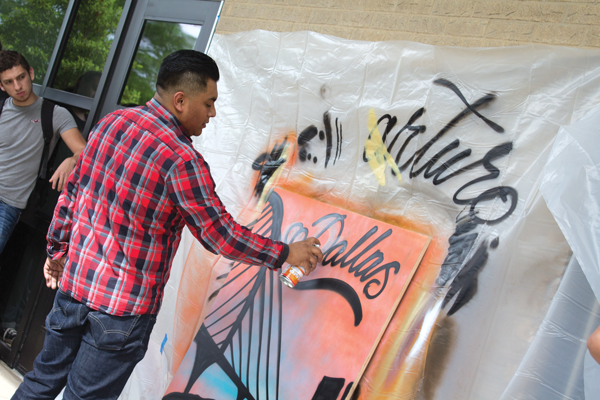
{"x": 179, "y": 101}
{"x": 31, "y": 73}
{"x": 2, "y": 87}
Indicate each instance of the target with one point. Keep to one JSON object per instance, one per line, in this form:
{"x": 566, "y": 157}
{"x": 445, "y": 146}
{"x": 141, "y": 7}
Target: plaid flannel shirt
{"x": 120, "y": 217}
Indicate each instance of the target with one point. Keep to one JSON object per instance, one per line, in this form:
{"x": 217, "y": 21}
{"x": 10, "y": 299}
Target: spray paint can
{"x": 291, "y": 276}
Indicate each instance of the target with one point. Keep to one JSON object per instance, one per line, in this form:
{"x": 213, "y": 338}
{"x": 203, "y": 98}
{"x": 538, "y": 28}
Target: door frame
{"x": 122, "y": 49}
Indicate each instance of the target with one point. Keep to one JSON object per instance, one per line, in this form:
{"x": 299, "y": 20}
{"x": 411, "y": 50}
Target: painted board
{"x": 264, "y": 340}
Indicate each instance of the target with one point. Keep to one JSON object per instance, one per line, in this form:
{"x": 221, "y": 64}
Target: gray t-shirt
{"x": 21, "y": 146}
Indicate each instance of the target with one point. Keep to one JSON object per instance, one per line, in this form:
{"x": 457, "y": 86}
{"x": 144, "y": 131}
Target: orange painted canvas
{"x": 264, "y": 340}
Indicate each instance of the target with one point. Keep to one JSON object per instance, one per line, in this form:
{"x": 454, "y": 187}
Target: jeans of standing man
{"x": 90, "y": 352}
{"x": 9, "y": 216}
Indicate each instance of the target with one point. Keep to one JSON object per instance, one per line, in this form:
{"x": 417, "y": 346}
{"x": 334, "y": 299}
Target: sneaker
{"x": 9, "y": 335}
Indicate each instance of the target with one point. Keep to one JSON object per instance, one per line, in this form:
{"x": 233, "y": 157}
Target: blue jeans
{"x": 90, "y": 352}
{"x": 9, "y": 216}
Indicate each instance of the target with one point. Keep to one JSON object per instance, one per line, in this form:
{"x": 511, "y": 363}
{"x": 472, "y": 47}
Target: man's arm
{"x": 192, "y": 189}
{"x": 75, "y": 142}
{"x": 59, "y": 232}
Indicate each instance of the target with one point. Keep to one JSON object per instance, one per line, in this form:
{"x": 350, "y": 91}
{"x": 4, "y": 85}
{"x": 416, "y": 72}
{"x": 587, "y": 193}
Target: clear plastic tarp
{"x": 457, "y": 144}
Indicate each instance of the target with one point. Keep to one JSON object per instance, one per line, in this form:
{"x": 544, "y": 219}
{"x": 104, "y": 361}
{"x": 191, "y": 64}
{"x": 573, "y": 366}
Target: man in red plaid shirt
{"x": 117, "y": 226}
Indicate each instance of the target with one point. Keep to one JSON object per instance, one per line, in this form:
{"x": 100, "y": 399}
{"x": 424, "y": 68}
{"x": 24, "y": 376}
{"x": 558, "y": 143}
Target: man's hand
{"x": 53, "y": 270}
{"x": 59, "y": 178}
{"x": 76, "y": 143}
{"x": 305, "y": 254}
{"x": 593, "y": 344}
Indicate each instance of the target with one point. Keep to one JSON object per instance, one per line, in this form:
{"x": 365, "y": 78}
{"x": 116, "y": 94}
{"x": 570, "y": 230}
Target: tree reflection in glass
{"x": 159, "y": 39}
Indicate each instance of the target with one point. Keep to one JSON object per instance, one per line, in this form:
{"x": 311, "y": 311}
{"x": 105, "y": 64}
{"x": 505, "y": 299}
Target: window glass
{"x": 31, "y": 27}
{"x": 88, "y": 46}
{"x": 158, "y": 40}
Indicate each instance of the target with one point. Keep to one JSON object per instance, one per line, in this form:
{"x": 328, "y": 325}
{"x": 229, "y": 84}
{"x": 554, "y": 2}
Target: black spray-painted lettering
{"x": 311, "y": 132}
{"x": 420, "y": 163}
{"x": 366, "y": 264}
{"x": 269, "y": 162}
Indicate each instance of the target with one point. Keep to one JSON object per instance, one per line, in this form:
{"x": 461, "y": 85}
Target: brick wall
{"x": 468, "y": 23}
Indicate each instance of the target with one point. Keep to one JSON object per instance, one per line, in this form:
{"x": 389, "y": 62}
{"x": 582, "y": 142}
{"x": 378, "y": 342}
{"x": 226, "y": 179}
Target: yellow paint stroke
{"x": 376, "y": 152}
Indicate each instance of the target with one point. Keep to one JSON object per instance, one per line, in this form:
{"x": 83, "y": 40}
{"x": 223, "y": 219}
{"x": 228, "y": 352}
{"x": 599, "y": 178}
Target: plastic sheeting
{"x": 553, "y": 367}
{"x": 571, "y": 188}
{"x": 448, "y": 142}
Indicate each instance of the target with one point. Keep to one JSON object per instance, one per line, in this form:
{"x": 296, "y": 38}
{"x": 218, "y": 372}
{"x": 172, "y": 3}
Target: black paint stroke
{"x": 327, "y": 123}
{"x": 337, "y": 286}
{"x": 183, "y": 396}
{"x": 461, "y": 242}
{"x": 464, "y": 286}
{"x": 354, "y": 395}
{"x": 452, "y": 86}
{"x": 216, "y": 292}
{"x": 341, "y": 139}
{"x": 267, "y": 164}
{"x": 307, "y": 135}
{"x": 463, "y": 263}
{"x": 329, "y": 388}
{"x": 338, "y": 135}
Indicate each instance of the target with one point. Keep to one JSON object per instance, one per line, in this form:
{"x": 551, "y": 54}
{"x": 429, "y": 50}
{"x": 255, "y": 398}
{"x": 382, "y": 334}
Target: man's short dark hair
{"x": 10, "y": 59}
{"x": 186, "y": 70}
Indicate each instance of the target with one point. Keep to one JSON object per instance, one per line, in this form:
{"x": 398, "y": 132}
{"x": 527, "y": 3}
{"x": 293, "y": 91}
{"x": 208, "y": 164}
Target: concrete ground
{"x": 9, "y": 381}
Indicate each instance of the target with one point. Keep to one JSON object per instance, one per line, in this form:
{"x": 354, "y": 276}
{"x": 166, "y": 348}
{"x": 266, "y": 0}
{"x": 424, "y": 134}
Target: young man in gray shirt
{"x": 22, "y": 141}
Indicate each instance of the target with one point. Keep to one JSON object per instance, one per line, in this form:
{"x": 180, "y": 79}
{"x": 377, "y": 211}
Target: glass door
{"x": 157, "y": 28}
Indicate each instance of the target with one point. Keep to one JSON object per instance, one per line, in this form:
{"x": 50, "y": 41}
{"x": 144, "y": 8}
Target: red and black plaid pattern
{"x": 120, "y": 217}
